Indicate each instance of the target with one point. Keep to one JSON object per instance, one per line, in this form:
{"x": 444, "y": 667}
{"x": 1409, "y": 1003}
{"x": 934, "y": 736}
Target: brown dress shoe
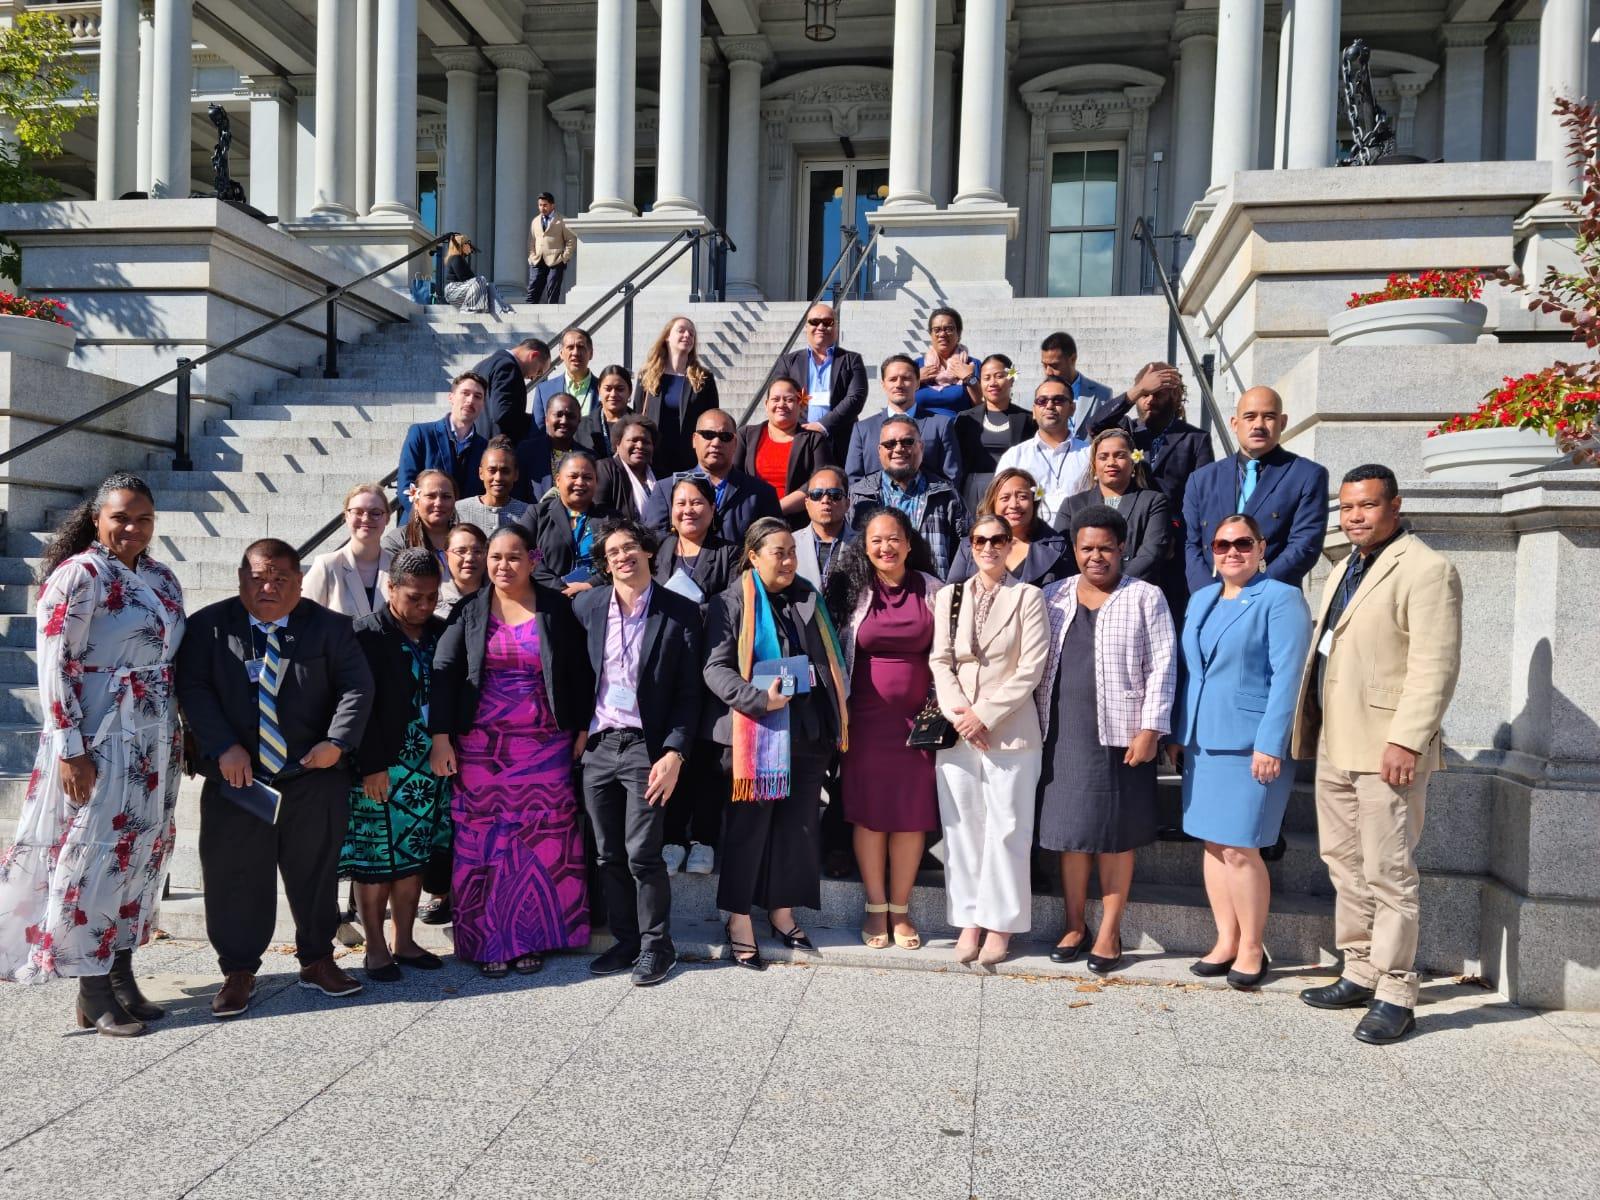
{"x": 234, "y": 998}
{"x": 325, "y": 977}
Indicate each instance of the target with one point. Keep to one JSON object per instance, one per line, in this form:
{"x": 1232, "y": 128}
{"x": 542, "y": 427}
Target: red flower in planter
{"x": 1465, "y": 284}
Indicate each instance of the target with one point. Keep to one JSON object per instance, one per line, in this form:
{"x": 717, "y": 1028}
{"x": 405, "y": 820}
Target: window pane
{"x": 1066, "y": 188}
{"x": 1065, "y": 266}
{"x": 825, "y": 204}
{"x": 1099, "y": 256}
{"x": 1100, "y": 187}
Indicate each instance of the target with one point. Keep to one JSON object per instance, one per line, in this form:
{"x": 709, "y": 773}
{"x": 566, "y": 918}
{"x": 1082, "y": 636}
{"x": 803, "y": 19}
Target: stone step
{"x": 225, "y": 490}
{"x": 17, "y": 630}
{"x": 18, "y": 743}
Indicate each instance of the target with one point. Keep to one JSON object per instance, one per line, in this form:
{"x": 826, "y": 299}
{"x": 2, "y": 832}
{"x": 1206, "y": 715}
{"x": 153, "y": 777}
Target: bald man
{"x": 1286, "y": 494}
{"x": 834, "y": 379}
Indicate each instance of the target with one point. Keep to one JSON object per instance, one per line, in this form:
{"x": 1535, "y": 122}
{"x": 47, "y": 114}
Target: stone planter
{"x": 1486, "y": 455}
{"x": 1430, "y": 321}
{"x": 33, "y": 338}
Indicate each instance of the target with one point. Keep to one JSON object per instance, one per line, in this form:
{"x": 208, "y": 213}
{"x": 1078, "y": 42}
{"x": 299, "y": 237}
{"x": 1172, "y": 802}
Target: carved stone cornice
{"x": 708, "y": 52}
{"x": 1190, "y": 23}
{"x": 1468, "y": 34}
{"x": 303, "y": 85}
{"x": 459, "y": 58}
{"x": 517, "y": 57}
{"x": 1520, "y": 33}
{"x": 268, "y": 87}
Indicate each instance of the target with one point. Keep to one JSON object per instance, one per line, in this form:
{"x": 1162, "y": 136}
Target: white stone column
{"x": 678, "y": 133}
{"x": 1563, "y": 51}
{"x": 615, "y": 66}
{"x": 1521, "y": 89}
{"x": 706, "y": 182}
{"x": 1280, "y": 109}
{"x": 746, "y": 58}
{"x": 147, "y": 86}
{"x": 394, "y": 173}
{"x": 512, "y": 212}
{"x": 461, "y": 65}
{"x": 116, "y": 156}
{"x": 305, "y": 144}
{"x": 333, "y": 188}
{"x": 1034, "y": 260}
{"x": 272, "y": 146}
{"x": 1236, "y": 120}
{"x": 1195, "y": 33}
{"x": 170, "y": 141}
{"x": 1311, "y": 89}
{"x": 1463, "y": 89}
{"x": 945, "y": 43}
{"x": 983, "y": 106}
{"x": 911, "y": 105}
{"x": 366, "y": 100}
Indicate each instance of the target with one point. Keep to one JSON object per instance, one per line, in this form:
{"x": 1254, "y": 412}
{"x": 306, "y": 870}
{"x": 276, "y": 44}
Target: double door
{"x": 835, "y": 195}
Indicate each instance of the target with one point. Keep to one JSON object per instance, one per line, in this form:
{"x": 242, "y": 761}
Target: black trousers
{"x": 242, "y": 856}
{"x": 544, "y": 283}
{"x": 772, "y": 853}
{"x": 628, "y": 836}
{"x": 694, "y": 814}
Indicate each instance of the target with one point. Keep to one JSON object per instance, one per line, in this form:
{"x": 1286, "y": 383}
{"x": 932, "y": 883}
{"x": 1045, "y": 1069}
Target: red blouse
{"x": 772, "y": 461}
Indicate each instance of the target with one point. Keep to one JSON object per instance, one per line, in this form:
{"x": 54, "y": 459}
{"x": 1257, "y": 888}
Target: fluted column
{"x": 333, "y": 187}
{"x": 147, "y": 92}
{"x": 461, "y": 66}
{"x": 945, "y": 44}
{"x": 170, "y": 143}
{"x": 983, "y": 109}
{"x": 1311, "y": 88}
{"x": 746, "y": 58}
{"x": 366, "y": 100}
{"x": 1563, "y": 49}
{"x": 1196, "y": 35}
{"x": 512, "y": 212}
{"x": 272, "y": 146}
{"x": 394, "y": 173}
{"x": 1236, "y": 120}
{"x": 911, "y": 105}
{"x": 678, "y": 131}
{"x": 615, "y": 66}
{"x": 116, "y": 154}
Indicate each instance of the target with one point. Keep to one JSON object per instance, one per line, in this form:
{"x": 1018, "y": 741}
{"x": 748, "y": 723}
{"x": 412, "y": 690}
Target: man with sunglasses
{"x": 1058, "y": 461}
{"x": 816, "y": 545}
{"x": 900, "y": 378}
{"x": 932, "y": 503}
{"x": 835, "y": 379}
{"x": 740, "y": 497}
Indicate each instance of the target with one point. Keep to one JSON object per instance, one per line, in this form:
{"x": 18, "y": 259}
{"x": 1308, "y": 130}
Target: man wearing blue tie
{"x": 1286, "y": 494}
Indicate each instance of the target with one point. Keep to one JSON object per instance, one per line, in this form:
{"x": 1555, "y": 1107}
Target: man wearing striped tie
{"x": 274, "y": 689}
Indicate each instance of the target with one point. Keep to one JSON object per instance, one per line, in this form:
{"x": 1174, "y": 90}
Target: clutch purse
{"x": 930, "y": 729}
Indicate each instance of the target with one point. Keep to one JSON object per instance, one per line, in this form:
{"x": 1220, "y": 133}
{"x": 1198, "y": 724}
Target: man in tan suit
{"x": 1383, "y": 665}
{"x": 550, "y": 247}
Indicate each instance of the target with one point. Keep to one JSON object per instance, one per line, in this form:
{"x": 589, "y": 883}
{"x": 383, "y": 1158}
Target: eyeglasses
{"x": 1243, "y": 545}
{"x": 821, "y": 494}
{"x": 1052, "y": 401}
{"x": 937, "y": 329}
{"x": 820, "y": 322}
{"x": 714, "y": 435}
{"x": 904, "y": 443}
{"x": 372, "y": 514}
{"x": 618, "y": 553}
{"x": 979, "y": 542}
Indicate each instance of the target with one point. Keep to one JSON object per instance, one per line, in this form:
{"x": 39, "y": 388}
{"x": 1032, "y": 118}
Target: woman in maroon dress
{"x": 881, "y": 594}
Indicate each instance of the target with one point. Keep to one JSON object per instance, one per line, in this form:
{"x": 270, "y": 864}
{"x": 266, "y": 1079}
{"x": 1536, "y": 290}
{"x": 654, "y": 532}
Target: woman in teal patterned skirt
{"x": 400, "y": 812}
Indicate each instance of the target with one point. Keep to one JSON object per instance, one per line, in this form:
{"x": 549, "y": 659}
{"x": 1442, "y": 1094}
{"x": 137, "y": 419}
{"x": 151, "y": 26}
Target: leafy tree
{"x": 35, "y": 76}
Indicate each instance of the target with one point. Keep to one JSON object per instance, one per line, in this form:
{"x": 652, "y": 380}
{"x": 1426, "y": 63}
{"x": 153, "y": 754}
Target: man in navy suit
{"x": 1058, "y": 359}
{"x": 900, "y": 376}
{"x": 835, "y": 379}
{"x": 740, "y": 496}
{"x": 506, "y": 375}
{"x": 451, "y": 444}
{"x": 1286, "y": 494}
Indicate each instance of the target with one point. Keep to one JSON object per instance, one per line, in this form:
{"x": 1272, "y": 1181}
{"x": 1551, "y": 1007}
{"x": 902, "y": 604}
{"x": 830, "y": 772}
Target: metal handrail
{"x": 620, "y": 296}
{"x": 851, "y": 235}
{"x": 181, "y": 373}
{"x": 1202, "y": 370}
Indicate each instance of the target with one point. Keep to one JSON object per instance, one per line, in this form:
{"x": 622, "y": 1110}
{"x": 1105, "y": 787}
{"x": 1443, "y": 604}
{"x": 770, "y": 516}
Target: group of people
{"x": 616, "y": 631}
{"x": 551, "y": 245}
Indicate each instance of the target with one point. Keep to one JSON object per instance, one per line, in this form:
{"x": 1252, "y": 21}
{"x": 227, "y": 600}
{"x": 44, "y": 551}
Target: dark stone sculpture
{"x": 1372, "y": 133}
{"x": 227, "y": 188}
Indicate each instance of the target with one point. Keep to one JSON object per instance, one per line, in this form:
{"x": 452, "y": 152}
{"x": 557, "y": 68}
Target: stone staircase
{"x": 281, "y": 466}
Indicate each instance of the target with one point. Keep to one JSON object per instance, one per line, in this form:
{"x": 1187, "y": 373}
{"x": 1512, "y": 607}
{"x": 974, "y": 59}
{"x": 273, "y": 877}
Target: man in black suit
{"x": 644, "y": 647}
{"x": 509, "y": 372}
{"x": 274, "y": 688}
{"x": 740, "y": 497}
{"x": 834, "y": 379}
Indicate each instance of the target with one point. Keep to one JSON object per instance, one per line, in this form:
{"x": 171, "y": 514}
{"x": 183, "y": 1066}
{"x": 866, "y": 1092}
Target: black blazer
{"x": 458, "y": 664}
{"x": 1151, "y": 536}
{"x": 505, "y": 402}
{"x": 714, "y": 567}
{"x": 384, "y": 646}
{"x": 551, "y": 528}
{"x": 1049, "y": 558}
{"x": 809, "y": 451}
{"x": 326, "y": 693}
{"x": 669, "y": 664}
{"x": 612, "y": 489}
{"x": 847, "y": 392}
{"x": 743, "y": 500}
{"x": 1184, "y": 450}
{"x": 968, "y": 427}
{"x": 676, "y": 432}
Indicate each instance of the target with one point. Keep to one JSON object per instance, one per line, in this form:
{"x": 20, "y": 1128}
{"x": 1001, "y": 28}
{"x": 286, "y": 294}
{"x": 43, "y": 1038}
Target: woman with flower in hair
{"x": 1119, "y": 481}
{"x": 986, "y": 431}
{"x": 81, "y": 883}
{"x": 1036, "y": 553}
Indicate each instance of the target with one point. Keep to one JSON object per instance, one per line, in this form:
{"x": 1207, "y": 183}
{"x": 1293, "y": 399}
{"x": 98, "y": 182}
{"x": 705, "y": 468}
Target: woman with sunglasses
{"x": 1036, "y": 553}
{"x": 947, "y": 374}
{"x": 783, "y": 452}
{"x": 1104, "y": 702}
{"x": 1118, "y": 480}
{"x": 986, "y": 431}
{"x": 674, "y": 389}
{"x": 986, "y": 662}
{"x": 468, "y": 291}
{"x": 1245, "y": 639}
{"x": 354, "y": 579}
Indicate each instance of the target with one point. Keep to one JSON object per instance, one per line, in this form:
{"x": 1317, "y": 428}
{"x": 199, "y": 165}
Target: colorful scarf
{"x": 761, "y": 745}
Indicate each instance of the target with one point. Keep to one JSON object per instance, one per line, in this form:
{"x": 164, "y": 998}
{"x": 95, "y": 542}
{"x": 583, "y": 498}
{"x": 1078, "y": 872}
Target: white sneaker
{"x": 701, "y": 859}
{"x": 674, "y": 857}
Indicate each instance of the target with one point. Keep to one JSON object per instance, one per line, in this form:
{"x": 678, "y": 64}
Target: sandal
{"x": 875, "y": 941}
{"x": 493, "y": 970}
{"x": 906, "y": 941}
{"x": 528, "y": 964}
{"x": 422, "y": 960}
{"x": 751, "y": 959}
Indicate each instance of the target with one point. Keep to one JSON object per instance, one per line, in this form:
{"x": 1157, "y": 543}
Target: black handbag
{"x": 930, "y": 728}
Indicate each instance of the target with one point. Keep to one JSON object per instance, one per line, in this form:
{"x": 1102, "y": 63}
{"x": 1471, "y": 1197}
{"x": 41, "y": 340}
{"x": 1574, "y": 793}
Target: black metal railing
{"x": 181, "y": 374}
{"x": 852, "y": 251}
{"x": 1202, "y": 365}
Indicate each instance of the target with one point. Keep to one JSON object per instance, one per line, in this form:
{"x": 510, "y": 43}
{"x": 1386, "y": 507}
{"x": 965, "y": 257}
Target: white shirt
{"x": 1060, "y": 470}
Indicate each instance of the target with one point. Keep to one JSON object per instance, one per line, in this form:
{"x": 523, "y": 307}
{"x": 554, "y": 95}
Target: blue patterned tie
{"x": 1251, "y": 467}
{"x": 273, "y": 753}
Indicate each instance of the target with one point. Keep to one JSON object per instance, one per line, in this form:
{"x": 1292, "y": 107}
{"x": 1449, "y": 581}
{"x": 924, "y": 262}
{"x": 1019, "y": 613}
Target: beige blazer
{"x": 1392, "y": 666}
{"x": 553, "y": 245}
{"x": 997, "y": 681}
{"x": 333, "y": 582}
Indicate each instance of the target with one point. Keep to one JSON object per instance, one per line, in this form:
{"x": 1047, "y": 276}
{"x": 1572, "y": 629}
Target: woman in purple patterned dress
{"x": 511, "y": 700}
{"x": 80, "y": 886}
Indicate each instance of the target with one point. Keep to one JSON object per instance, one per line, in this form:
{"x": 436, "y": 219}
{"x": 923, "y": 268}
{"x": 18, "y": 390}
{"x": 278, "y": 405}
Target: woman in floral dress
{"x": 79, "y": 887}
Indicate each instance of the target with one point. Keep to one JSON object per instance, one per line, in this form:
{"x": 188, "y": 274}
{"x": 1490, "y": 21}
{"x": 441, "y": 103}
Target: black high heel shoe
{"x": 735, "y": 948}
{"x": 1210, "y": 970}
{"x": 1241, "y": 982}
{"x": 795, "y": 939}
{"x": 1100, "y": 964}
{"x": 1069, "y": 954}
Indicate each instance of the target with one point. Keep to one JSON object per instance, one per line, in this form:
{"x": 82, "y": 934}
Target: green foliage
{"x": 35, "y": 75}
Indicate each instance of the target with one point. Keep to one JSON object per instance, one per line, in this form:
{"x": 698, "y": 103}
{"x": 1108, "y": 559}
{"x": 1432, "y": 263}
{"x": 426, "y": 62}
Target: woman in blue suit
{"x": 1244, "y": 645}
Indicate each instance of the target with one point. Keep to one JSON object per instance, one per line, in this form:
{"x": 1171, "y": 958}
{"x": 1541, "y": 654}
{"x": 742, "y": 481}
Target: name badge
{"x": 253, "y": 668}
{"x": 821, "y": 401}
{"x": 1325, "y": 646}
{"x": 620, "y": 697}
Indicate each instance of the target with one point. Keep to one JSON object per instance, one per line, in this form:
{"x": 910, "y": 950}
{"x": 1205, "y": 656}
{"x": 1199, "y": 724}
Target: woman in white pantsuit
{"x": 984, "y": 672}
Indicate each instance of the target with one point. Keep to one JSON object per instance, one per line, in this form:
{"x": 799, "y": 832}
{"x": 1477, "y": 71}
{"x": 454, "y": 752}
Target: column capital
{"x": 517, "y": 57}
{"x": 1520, "y": 33}
{"x": 269, "y": 87}
{"x": 947, "y": 40}
{"x": 303, "y": 85}
{"x": 1039, "y": 103}
{"x": 708, "y": 52}
{"x": 1465, "y": 34}
{"x": 1141, "y": 96}
{"x": 746, "y": 49}
{"x": 1192, "y": 23}
{"x": 458, "y": 58}
{"x": 540, "y": 80}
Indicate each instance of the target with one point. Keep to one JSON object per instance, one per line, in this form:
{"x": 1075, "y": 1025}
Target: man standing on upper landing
{"x": 1286, "y": 494}
{"x": 1058, "y": 359}
{"x": 834, "y": 379}
{"x": 550, "y": 247}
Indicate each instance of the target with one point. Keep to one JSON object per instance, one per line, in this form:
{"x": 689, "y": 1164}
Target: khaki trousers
{"x": 1368, "y": 832}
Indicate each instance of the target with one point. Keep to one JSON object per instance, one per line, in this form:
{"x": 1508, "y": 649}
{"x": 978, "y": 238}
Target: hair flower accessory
{"x": 1011, "y": 374}
{"x": 1038, "y": 493}
{"x": 1138, "y": 457}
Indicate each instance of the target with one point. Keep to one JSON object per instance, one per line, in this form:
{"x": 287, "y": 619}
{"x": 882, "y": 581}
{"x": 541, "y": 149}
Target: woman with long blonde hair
{"x": 467, "y": 290}
{"x": 673, "y": 390}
